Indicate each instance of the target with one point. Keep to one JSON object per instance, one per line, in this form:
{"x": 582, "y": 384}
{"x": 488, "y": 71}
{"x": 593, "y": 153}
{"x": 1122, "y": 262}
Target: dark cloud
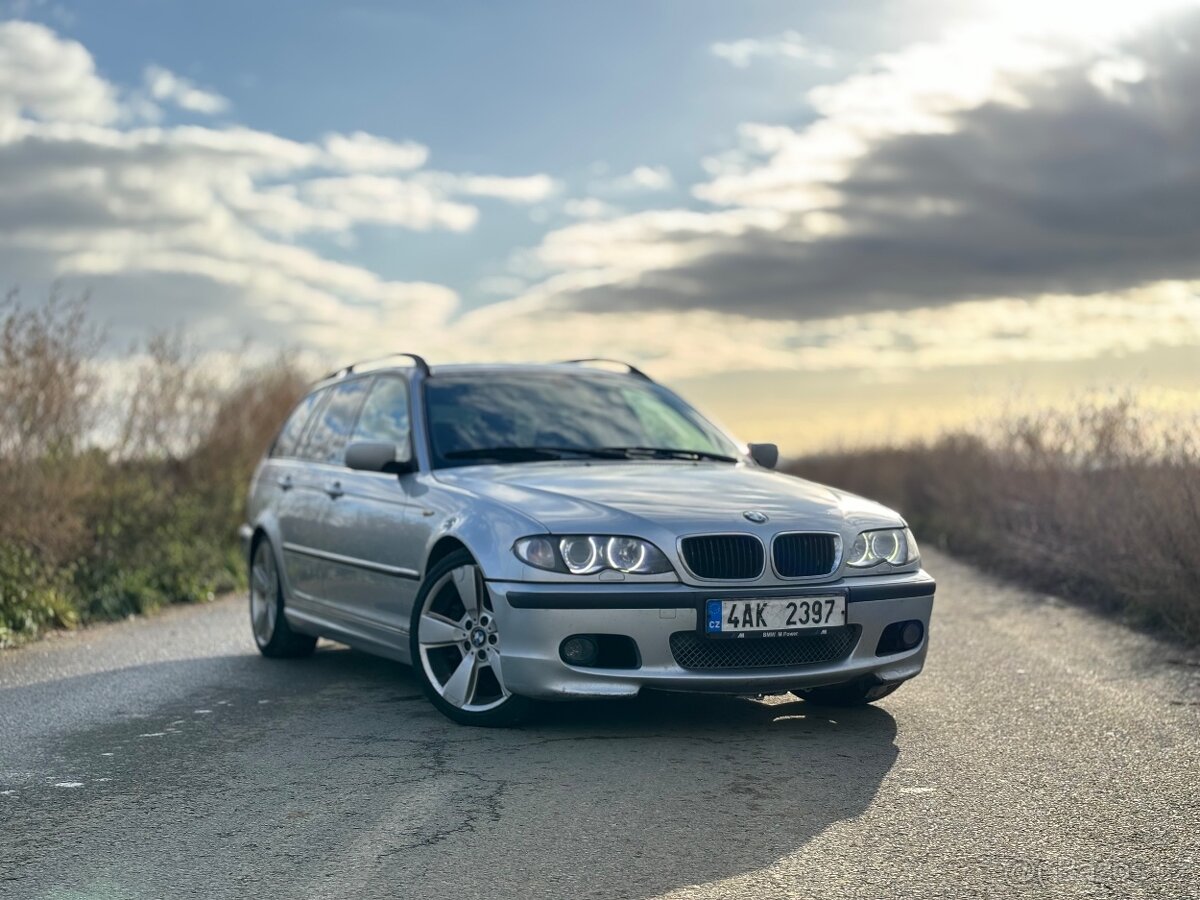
{"x": 1081, "y": 188}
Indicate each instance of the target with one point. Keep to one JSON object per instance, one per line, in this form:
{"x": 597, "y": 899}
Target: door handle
{"x": 334, "y": 489}
{"x": 285, "y": 483}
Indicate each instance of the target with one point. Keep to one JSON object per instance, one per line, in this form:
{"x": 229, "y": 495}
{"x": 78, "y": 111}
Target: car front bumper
{"x": 534, "y": 620}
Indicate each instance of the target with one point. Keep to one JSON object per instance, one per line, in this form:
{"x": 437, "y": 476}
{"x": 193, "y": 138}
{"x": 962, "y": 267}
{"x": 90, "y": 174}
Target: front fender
{"x": 485, "y": 527}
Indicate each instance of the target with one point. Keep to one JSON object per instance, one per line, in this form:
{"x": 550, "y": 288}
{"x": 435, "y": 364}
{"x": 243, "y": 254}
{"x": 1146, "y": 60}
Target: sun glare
{"x": 1080, "y": 19}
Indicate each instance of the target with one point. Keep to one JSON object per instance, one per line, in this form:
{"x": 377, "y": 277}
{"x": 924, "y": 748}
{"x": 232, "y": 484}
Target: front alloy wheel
{"x": 456, "y": 646}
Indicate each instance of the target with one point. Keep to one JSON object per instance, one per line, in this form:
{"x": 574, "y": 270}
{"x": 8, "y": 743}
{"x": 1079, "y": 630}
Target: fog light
{"x": 911, "y": 634}
{"x": 900, "y": 637}
{"x": 579, "y": 651}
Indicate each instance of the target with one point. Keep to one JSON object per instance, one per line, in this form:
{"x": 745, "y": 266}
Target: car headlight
{"x": 894, "y": 546}
{"x": 587, "y": 554}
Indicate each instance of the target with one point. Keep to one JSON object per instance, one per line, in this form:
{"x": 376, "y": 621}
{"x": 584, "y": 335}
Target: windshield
{"x": 518, "y": 417}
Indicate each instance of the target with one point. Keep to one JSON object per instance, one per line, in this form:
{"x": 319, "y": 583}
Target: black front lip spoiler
{"x": 690, "y": 598}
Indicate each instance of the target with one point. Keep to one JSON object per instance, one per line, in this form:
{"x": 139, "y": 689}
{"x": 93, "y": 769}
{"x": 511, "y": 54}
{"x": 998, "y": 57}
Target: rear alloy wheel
{"x": 456, "y": 647}
{"x": 272, "y": 633}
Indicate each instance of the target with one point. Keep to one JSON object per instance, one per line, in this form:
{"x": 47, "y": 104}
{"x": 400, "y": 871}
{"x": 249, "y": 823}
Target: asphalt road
{"x": 1045, "y": 752}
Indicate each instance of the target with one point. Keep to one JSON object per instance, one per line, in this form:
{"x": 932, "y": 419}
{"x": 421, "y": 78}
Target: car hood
{"x": 682, "y": 497}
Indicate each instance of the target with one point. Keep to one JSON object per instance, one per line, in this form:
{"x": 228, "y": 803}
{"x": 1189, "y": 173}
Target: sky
{"x": 826, "y": 223}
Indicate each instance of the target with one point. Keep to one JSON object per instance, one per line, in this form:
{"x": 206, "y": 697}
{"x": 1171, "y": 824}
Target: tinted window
{"x": 468, "y": 413}
{"x": 384, "y": 417}
{"x": 327, "y": 440}
{"x": 293, "y": 429}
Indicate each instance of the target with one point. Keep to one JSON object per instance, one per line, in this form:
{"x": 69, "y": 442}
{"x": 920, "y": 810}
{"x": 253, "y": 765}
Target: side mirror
{"x": 766, "y": 455}
{"x": 377, "y": 457}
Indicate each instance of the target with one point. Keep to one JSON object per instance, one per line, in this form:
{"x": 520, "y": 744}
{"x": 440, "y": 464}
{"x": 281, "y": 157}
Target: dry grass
{"x": 99, "y": 531}
{"x": 1100, "y": 505}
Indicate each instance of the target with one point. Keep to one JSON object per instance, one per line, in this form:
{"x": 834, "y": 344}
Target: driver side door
{"x": 374, "y": 564}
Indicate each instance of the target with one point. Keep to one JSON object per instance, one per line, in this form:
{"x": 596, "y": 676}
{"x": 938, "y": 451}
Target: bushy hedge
{"x": 119, "y": 498}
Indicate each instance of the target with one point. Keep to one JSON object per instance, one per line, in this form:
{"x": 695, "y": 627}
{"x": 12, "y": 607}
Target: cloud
{"x": 990, "y": 196}
{"x": 166, "y": 87}
{"x": 650, "y": 240}
{"x": 519, "y": 189}
{"x": 51, "y": 78}
{"x": 362, "y": 152}
{"x": 502, "y": 285}
{"x": 199, "y": 224}
{"x": 679, "y": 344}
{"x": 387, "y": 201}
{"x": 643, "y": 178}
{"x": 589, "y": 208}
{"x": 791, "y": 46}
{"x": 940, "y": 175}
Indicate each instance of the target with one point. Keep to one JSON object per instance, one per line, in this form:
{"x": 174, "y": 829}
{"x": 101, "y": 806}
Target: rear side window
{"x": 288, "y": 441}
{"x": 384, "y": 416}
{"x": 330, "y": 433}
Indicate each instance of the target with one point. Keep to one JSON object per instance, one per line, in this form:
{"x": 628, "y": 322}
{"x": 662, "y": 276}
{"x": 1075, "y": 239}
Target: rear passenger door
{"x": 316, "y": 484}
{"x": 287, "y": 486}
{"x": 374, "y": 560}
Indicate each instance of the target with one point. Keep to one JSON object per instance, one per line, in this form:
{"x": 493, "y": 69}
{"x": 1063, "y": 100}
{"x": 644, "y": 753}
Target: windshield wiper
{"x": 534, "y": 454}
{"x": 540, "y": 453}
{"x": 668, "y": 453}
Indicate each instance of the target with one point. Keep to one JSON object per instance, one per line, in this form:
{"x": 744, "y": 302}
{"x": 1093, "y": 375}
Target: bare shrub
{"x": 1100, "y": 504}
{"x": 243, "y": 423}
{"x": 171, "y": 402}
{"x": 47, "y": 377}
{"x": 47, "y": 405}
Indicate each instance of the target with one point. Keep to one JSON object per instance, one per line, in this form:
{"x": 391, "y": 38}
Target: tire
{"x": 853, "y": 693}
{"x": 456, "y": 647}
{"x": 272, "y": 634}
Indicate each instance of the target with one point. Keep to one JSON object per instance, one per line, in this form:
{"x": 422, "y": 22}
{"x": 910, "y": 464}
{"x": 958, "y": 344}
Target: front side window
{"x": 514, "y": 417}
{"x": 384, "y": 417}
{"x": 331, "y": 432}
{"x": 288, "y": 441}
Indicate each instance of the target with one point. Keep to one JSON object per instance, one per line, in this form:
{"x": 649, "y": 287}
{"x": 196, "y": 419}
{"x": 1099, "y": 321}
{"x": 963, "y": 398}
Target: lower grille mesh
{"x": 692, "y": 651}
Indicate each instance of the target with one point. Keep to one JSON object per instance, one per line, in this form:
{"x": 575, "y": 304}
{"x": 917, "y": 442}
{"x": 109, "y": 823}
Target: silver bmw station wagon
{"x": 547, "y": 532}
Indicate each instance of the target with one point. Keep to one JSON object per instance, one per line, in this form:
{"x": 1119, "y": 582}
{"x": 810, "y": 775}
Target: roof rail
{"x": 633, "y": 370}
{"x": 419, "y": 362}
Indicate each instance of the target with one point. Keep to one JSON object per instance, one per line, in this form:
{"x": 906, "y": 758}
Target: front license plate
{"x": 782, "y": 617}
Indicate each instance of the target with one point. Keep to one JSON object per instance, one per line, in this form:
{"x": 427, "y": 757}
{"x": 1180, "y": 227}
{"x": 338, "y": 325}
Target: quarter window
{"x": 384, "y": 417}
{"x": 327, "y": 440}
{"x": 288, "y": 441}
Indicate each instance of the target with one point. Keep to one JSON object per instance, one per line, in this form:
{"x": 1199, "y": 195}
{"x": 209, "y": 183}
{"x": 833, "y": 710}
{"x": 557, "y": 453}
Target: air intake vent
{"x": 734, "y": 557}
{"x": 805, "y": 555}
{"x": 691, "y": 651}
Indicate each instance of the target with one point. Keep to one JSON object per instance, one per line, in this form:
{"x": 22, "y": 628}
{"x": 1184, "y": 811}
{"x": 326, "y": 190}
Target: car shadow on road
{"x": 338, "y": 761}
{"x": 622, "y": 798}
